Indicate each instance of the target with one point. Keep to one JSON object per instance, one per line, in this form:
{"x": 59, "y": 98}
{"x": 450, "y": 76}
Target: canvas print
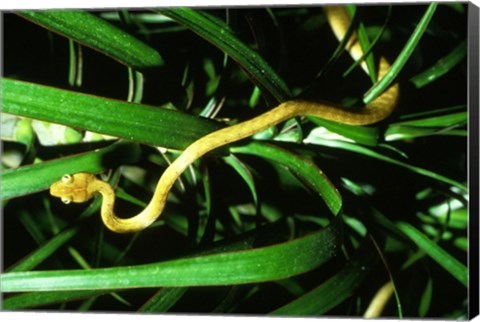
{"x": 271, "y": 161}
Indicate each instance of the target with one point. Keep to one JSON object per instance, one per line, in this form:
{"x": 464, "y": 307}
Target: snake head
{"x": 73, "y": 188}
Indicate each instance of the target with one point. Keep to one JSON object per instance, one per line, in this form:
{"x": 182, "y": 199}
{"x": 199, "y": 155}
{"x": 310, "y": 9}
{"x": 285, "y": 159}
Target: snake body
{"x": 81, "y": 186}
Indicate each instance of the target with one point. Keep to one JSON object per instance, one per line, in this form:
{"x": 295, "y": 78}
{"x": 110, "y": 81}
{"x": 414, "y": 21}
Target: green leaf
{"x": 436, "y": 125}
{"x": 221, "y": 36}
{"x": 248, "y": 266}
{"x": 426, "y": 300}
{"x": 94, "y": 32}
{"x": 164, "y": 299}
{"x": 452, "y": 119}
{"x": 137, "y": 122}
{"x": 373, "y": 154}
{"x": 244, "y": 172}
{"x": 38, "y": 256}
{"x": 366, "y": 44}
{"x": 367, "y": 47}
{"x": 402, "y": 58}
{"x": 307, "y": 171}
{"x": 444, "y": 259}
{"x": 36, "y": 299}
{"x": 334, "y": 291}
{"x": 40, "y": 176}
{"x": 366, "y": 135}
{"x": 443, "y": 66}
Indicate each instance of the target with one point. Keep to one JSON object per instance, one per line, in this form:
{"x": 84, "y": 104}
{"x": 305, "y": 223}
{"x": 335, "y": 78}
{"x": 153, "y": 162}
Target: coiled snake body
{"x": 80, "y": 187}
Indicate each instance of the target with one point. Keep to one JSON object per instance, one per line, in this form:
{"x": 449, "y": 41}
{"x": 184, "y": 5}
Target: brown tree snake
{"x": 81, "y": 186}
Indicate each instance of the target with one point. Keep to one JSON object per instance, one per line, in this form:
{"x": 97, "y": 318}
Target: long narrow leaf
{"x": 334, "y": 291}
{"x": 444, "y": 259}
{"x": 137, "y": 122}
{"x": 451, "y": 124}
{"x": 33, "y": 259}
{"x": 308, "y": 171}
{"x": 442, "y": 67}
{"x": 246, "y": 175}
{"x": 220, "y": 35}
{"x": 373, "y": 154}
{"x": 452, "y": 119}
{"x": 36, "y": 299}
{"x": 94, "y": 32}
{"x": 160, "y": 302}
{"x": 284, "y": 260}
{"x": 40, "y": 176}
{"x": 366, "y": 135}
{"x": 164, "y": 299}
{"x": 403, "y": 57}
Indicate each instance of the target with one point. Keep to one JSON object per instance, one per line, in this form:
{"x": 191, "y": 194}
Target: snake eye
{"x": 66, "y": 200}
{"x": 67, "y": 178}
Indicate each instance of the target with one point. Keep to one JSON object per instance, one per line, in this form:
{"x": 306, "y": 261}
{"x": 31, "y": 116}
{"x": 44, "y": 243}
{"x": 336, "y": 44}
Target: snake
{"x": 82, "y": 186}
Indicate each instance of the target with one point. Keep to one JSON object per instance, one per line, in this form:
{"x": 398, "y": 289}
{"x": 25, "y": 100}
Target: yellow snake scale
{"x": 80, "y": 187}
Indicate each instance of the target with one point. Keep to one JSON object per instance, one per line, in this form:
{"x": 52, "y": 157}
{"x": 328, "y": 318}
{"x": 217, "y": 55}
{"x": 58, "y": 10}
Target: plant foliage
{"x": 307, "y": 218}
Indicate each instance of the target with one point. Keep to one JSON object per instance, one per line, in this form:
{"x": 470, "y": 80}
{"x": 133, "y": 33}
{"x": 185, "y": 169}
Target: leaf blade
{"x": 38, "y": 177}
{"x": 304, "y": 168}
{"x": 108, "y": 39}
{"x": 403, "y": 57}
{"x": 332, "y": 292}
{"x": 137, "y": 122}
{"x": 444, "y": 259}
{"x": 285, "y": 259}
{"x": 220, "y": 35}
